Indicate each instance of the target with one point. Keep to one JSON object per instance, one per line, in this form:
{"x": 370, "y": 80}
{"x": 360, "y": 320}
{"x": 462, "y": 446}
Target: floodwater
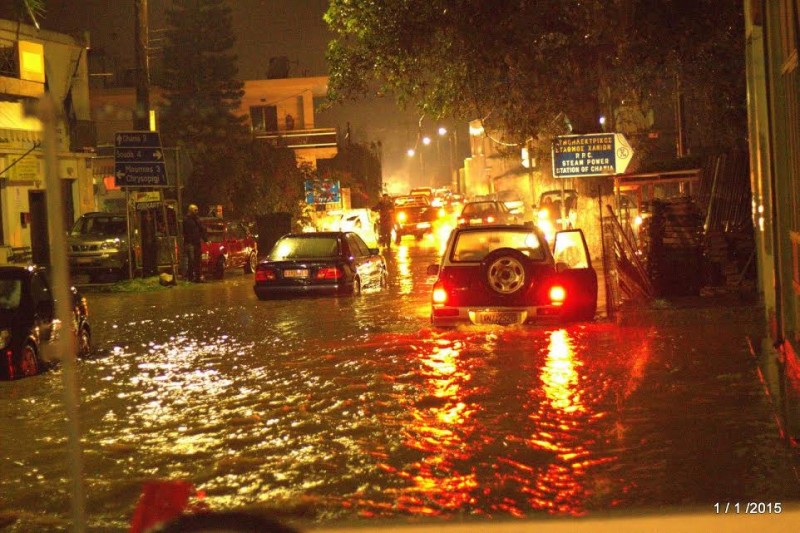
{"x": 340, "y": 410}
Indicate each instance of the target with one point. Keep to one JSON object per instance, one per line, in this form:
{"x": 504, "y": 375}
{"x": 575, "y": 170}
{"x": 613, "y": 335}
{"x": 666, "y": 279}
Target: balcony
{"x": 300, "y": 139}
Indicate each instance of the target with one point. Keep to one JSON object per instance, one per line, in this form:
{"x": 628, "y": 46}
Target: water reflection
{"x": 403, "y": 263}
{"x": 441, "y": 426}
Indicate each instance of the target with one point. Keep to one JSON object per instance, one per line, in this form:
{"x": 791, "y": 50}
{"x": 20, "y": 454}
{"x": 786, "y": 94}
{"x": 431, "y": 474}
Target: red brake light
{"x": 329, "y": 273}
{"x": 557, "y": 295}
{"x": 265, "y": 274}
{"x": 439, "y": 295}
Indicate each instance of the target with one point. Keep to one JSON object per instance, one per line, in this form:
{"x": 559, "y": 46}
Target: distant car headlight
{"x": 637, "y": 221}
{"x": 5, "y": 338}
{"x": 544, "y": 214}
{"x": 204, "y": 256}
{"x": 401, "y": 216}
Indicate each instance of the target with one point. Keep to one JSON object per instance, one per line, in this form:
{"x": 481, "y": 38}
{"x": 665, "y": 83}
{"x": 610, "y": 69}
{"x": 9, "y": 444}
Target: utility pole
{"x": 141, "y": 115}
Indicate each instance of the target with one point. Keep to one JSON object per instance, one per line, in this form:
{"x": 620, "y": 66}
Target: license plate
{"x": 83, "y": 260}
{"x": 296, "y": 273}
{"x": 501, "y": 318}
{"x": 475, "y": 220}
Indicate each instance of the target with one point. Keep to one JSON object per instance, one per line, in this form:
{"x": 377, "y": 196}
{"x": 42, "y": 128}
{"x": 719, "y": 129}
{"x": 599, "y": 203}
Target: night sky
{"x": 264, "y": 29}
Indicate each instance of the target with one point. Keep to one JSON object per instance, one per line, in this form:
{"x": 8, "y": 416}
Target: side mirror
{"x": 374, "y": 251}
{"x": 433, "y": 270}
{"x": 561, "y": 266}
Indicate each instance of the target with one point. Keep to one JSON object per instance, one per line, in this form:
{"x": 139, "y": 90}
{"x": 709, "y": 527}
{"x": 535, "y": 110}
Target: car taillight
{"x": 265, "y": 274}
{"x": 329, "y": 273}
{"x": 489, "y": 219}
{"x": 557, "y": 295}
{"x": 462, "y": 220}
{"x": 439, "y": 295}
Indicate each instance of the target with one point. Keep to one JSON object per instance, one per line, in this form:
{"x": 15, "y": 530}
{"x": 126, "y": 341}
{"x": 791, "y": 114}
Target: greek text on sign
{"x": 139, "y": 160}
{"x": 599, "y": 154}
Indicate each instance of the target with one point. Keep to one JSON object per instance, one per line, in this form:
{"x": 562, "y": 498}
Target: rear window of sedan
{"x": 474, "y": 246}
{"x": 480, "y": 209}
{"x": 290, "y": 248}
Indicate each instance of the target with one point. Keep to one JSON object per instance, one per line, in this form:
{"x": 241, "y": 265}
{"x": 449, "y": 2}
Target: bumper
{"x": 297, "y": 291}
{"x": 97, "y": 263}
{"x": 453, "y": 316}
{"x": 417, "y": 228}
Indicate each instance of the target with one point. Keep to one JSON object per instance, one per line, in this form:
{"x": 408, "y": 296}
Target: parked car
{"x": 507, "y": 274}
{"x": 413, "y": 215}
{"x": 230, "y": 245}
{"x": 486, "y": 212}
{"x": 27, "y": 320}
{"x": 550, "y": 218}
{"x": 319, "y": 263}
{"x": 98, "y": 244}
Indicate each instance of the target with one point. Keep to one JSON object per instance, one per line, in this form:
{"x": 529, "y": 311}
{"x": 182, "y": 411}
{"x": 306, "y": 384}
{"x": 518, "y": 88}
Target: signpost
{"x": 597, "y": 154}
{"x": 139, "y": 159}
{"x": 138, "y": 163}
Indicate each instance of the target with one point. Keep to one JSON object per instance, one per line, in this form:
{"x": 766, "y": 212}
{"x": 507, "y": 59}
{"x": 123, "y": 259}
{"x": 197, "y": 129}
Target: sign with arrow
{"x": 599, "y": 154}
{"x": 139, "y": 160}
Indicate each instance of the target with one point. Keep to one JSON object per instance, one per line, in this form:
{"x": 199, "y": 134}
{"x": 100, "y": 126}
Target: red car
{"x": 507, "y": 274}
{"x": 230, "y": 245}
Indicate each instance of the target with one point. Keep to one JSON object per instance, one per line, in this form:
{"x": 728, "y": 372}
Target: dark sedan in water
{"x": 319, "y": 263}
{"x": 27, "y": 320}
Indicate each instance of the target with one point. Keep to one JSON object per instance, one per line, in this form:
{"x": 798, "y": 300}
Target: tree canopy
{"x": 519, "y": 65}
{"x": 200, "y": 74}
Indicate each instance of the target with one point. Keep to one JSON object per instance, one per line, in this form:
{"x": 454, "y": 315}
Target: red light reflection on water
{"x": 440, "y": 426}
{"x": 511, "y": 422}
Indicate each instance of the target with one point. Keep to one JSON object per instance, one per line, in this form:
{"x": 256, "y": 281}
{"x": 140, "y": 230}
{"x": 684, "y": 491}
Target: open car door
{"x": 574, "y": 267}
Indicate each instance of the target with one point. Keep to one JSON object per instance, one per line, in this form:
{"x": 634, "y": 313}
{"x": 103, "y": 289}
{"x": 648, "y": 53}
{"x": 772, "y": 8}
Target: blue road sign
{"x": 322, "y": 192}
{"x": 584, "y": 155}
{"x": 139, "y": 160}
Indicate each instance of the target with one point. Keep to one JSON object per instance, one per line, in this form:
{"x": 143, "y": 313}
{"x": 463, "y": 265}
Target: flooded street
{"x": 351, "y": 408}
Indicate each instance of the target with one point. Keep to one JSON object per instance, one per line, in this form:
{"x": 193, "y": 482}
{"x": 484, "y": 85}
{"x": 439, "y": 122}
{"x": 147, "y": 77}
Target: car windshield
{"x": 474, "y": 246}
{"x": 305, "y": 248}
{"x": 100, "y": 226}
{"x": 10, "y": 293}
{"x": 479, "y": 209}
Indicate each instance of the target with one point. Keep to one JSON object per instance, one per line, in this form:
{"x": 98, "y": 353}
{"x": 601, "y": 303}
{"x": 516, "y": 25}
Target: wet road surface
{"x": 343, "y": 409}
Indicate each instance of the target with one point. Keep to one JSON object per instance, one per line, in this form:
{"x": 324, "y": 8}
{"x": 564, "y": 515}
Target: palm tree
{"x": 32, "y": 9}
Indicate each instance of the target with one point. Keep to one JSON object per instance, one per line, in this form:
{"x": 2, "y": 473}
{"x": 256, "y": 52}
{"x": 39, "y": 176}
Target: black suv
{"x": 27, "y": 320}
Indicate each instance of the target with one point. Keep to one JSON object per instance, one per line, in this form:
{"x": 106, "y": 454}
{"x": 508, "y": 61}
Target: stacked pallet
{"x": 675, "y": 247}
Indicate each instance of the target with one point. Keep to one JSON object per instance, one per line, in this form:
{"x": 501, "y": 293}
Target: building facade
{"x": 773, "y": 99}
{"x": 32, "y": 61}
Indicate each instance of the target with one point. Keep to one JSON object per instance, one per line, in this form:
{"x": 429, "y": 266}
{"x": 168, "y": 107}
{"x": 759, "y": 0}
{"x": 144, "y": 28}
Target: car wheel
{"x": 356, "y": 287}
{"x": 28, "y": 361}
{"x": 219, "y": 268}
{"x": 84, "y": 342}
{"x": 250, "y": 265}
{"x": 506, "y": 272}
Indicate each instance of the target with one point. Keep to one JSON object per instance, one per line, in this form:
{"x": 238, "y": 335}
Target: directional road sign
{"x": 139, "y": 160}
{"x": 598, "y": 154}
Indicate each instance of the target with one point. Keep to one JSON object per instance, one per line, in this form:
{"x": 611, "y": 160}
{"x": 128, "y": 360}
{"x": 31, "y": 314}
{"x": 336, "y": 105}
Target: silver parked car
{"x": 98, "y": 244}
